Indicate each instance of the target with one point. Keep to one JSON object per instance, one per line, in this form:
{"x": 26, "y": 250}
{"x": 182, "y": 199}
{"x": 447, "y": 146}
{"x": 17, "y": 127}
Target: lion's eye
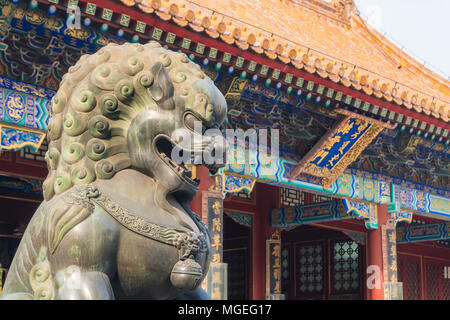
{"x": 193, "y": 123}
{"x": 202, "y": 100}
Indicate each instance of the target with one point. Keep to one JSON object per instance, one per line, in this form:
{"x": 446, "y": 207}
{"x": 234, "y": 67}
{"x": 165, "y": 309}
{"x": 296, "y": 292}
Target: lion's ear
{"x": 162, "y": 88}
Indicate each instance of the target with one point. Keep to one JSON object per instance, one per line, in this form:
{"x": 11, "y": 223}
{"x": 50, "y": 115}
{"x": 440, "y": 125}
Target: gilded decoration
{"x": 339, "y": 148}
{"x": 233, "y": 94}
{"x": 439, "y": 205}
{"x": 306, "y": 214}
{"x": 235, "y": 183}
{"x": 15, "y": 106}
{"x": 423, "y": 232}
{"x": 24, "y": 105}
{"x": 15, "y": 138}
{"x": 367, "y": 211}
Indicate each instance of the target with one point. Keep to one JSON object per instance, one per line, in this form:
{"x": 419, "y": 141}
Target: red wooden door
{"x": 410, "y": 273}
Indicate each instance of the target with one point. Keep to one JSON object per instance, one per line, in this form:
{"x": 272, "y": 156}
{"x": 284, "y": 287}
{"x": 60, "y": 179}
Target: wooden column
{"x": 267, "y": 198}
{"x": 375, "y": 251}
{"x": 206, "y": 181}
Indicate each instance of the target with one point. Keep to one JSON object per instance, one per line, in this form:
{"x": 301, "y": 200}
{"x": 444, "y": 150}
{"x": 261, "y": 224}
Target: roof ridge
{"x": 315, "y": 43}
{"x": 401, "y": 54}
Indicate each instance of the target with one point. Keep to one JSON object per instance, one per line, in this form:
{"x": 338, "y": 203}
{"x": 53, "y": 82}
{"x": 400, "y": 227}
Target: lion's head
{"x": 118, "y": 108}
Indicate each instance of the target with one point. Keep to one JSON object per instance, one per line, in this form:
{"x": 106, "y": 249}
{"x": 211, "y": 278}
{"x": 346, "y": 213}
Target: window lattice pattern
{"x": 292, "y": 197}
{"x": 346, "y": 267}
{"x": 242, "y": 195}
{"x": 317, "y": 198}
{"x": 39, "y": 155}
{"x": 285, "y": 271}
{"x": 412, "y": 280}
{"x": 446, "y": 289}
{"x": 310, "y": 269}
{"x": 433, "y": 273}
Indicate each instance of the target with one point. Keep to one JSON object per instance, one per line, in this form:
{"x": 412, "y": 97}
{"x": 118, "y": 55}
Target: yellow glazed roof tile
{"x": 327, "y": 38}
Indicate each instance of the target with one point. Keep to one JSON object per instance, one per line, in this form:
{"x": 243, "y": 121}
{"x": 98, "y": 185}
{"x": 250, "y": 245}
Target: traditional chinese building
{"x": 356, "y": 205}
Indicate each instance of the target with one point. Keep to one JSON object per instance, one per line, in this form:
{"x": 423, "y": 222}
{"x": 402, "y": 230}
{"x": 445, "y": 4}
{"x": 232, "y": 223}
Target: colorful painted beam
{"x": 329, "y": 158}
{"x": 15, "y": 138}
{"x": 354, "y": 184}
{"x": 363, "y": 210}
{"x": 234, "y": 183}
{"x": 24, "y": 114}
{"x": 421, "y": 201}
{"x": 24, "y": 105}
{"x": 397, "y": 214}
{"x": 425, "y": 232}
{"x": 311, "y": 213}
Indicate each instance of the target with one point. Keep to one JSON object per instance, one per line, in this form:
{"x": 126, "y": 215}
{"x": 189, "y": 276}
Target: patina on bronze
{"x": 116, "y": 221}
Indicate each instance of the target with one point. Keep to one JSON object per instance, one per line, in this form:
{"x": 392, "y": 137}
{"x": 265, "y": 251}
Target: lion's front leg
{"x": 74, "y": 284}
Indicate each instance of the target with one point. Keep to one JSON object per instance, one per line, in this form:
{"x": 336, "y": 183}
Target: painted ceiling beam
{"x": 424, "y": 232}
{"x": 306, "y": 214}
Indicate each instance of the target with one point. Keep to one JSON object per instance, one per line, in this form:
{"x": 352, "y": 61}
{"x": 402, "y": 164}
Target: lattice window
{"x": 292, "y": 197}
{"x": 310, "y": 261}
{"x": 433, "y": 272}
{"x": 445, "y": 289}
{"x": 412, "y": 279}
{"x": 39, "y": 155}
{"x": 242, "y": 195}
{"x": 237, "y": 273}
{"x": 346, "y": 267}
{"x": 317, "y": 198}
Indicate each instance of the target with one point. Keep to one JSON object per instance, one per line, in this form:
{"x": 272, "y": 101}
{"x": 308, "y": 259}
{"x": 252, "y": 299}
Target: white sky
{"x": 422, "y": 27}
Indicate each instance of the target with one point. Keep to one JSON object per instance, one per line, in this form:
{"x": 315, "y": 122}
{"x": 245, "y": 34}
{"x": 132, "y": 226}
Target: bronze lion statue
{"x": 116, "y": 220}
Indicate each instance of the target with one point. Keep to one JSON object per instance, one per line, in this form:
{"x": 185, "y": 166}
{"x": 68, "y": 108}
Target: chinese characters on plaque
{"x": 216, "y": 281}
{"x": 392, "y": 288}
{"x": 273, "y": 269}
{"x": 212, "y": 204}
{"x": 212, "y": 214}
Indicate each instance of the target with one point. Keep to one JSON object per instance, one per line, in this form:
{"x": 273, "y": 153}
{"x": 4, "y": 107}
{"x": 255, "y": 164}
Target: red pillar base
{"x": 375, "y": 253}
{"x": 266, "y": 199}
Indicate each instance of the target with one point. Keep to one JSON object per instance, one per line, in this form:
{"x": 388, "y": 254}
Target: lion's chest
{"x": 145, "y": 265}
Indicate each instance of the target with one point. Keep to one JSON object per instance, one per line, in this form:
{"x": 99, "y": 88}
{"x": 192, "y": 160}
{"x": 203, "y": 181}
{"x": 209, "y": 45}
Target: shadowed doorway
{"x": 237, "y": 253}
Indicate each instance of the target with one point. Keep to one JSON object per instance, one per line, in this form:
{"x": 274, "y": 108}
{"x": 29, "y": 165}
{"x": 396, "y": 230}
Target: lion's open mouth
{"x": 164, "y": 147}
